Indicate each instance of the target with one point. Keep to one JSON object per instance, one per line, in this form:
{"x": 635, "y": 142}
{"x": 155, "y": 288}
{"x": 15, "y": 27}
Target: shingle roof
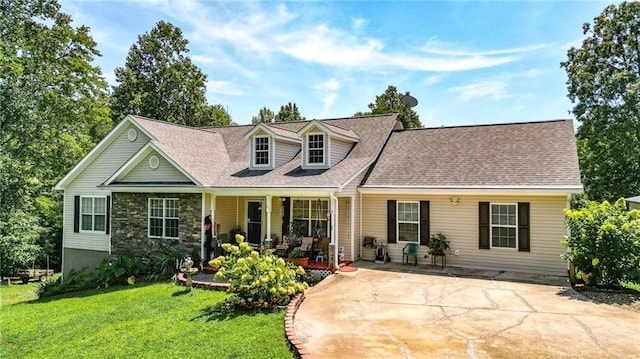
{"x": 537, "y": 154}
{"x": 200, "y": 153}
{"x": 219, "y": 156}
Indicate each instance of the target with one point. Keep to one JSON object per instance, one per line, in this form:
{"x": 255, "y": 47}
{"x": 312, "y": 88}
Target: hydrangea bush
{"x": 604, "y": 244}
{"x": 258, "y": 279}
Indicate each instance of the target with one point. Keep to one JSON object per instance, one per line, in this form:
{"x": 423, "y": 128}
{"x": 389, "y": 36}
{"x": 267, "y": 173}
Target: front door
{"x": 254, "y": 222}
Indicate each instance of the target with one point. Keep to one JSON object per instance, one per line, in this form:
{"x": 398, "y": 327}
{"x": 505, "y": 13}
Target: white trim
{"x": 269, "y": 131}
{"x": 310, "y": 219}
{"x": 163, "y": 218}
{"x": 139, "y": 156}
{"x": 473, "y": 190}
{"x": 203, "y": 229}
{"x": 270, "y": 156}
{"x": 324, "y": 128}
{"x": 106, "y": 141}
{"x": 491, "y": 225}
{"x": 307, "y": 156}
{"x": 417, "y": 223}
{"x": 93, "y": 224}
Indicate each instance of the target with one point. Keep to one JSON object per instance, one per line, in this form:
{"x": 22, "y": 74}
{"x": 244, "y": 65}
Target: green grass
{"x": 141, "y": 321}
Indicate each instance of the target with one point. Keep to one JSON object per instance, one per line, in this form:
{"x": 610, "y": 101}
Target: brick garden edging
{"x": 292, "y": 308}
{"x": 290, "y": 331}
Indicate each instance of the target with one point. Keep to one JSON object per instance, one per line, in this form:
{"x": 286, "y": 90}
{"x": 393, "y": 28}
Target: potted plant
{"x": 438, "y": 244}
{"x": 296, "y": 256}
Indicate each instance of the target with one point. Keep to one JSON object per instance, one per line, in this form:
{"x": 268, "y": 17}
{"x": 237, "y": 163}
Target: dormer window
{"x": 261, "y": 151}
{"x": 315, "y": 145}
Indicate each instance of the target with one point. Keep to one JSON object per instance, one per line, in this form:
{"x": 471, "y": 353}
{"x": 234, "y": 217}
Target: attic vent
{"x": 154, "y": 162}
{"x": 132, "y": 134}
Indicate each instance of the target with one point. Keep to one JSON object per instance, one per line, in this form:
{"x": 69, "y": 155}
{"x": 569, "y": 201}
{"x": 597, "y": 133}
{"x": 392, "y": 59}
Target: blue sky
{"x": 466, "y": 62}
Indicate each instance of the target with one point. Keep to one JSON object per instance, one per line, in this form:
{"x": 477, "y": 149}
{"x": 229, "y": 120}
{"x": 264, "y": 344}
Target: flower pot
{"x": 300, "y": 261}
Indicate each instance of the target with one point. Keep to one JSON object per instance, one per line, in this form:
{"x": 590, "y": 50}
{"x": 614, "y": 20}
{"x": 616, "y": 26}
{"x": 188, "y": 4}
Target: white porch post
{"x": 352, "y": 213}
{"x": 334, "y": 228}
{"x": 202, "y": 228}
{"x": 268, "y": 208}
{"x": 212, "y": 212}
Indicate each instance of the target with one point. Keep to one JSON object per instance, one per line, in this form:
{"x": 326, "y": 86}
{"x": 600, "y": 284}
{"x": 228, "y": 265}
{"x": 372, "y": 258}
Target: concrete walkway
{"x": 392, "y": 313}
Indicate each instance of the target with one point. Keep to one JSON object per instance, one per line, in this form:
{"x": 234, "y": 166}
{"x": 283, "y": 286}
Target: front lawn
{"x": 139, "y": 321}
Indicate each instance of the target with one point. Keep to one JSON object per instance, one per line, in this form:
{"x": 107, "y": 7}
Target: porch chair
{"x": 307, "y": 245}
{"x": 410, "y": 250}
{"x": 282, "y": 248}
{"x": 323, "y": 250}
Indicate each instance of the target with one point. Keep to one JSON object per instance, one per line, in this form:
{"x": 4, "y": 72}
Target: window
{"x": 504, "y": 226}
{"x": 93, "y": 213}
{"x": 261, "y": 151}
{"x": 163, "y": 217}
{"x": 408, "y": 221}
{"x": 310, "y": 217}
{"x": 315, "y": 143}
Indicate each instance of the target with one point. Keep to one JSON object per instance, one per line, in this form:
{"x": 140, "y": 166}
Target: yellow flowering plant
{"x": 258, "y": 280}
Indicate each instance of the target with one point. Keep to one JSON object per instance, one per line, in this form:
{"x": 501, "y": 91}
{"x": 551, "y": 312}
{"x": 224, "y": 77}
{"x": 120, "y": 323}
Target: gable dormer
{"x": 271, "y": 147}
{"x": 324, "y": 145}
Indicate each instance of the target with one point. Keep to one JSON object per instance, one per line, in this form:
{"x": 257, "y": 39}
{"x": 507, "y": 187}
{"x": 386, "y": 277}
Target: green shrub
{"x": 75, "y": 280}
{"x": 119, "y": 270}
{"x": 258, "y": 279}
{"x": 165, "y": 262}
{"x": 604, "y": 244}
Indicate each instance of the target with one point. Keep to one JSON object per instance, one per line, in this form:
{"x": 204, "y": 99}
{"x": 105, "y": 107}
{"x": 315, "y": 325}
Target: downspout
{"x": 334, "y": 227}
{"x": 202, "y": 229}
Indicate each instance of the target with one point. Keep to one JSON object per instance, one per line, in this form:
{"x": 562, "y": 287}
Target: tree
{"x": 391, "y": 102}
{"x": 604, "y": 84}
{"x": 53, "y": 109}
{"x": 159, "y": 81}
{"x": 289, "y": 113}
{"x": 214, "y": 115}
{"x": 265, "y": 115}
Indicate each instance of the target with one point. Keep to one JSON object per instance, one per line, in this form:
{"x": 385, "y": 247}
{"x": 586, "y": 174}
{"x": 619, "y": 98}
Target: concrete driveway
{"x": 389, "y": 314}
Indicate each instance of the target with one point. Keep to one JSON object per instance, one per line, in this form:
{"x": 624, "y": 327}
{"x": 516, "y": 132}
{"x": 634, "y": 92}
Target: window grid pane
{"x": 316, "y": 148}
{"x": 164, "y": 217}
{"x": 503, "y": 225}
{"x": 262, "y": 150}
{"x": 310, "y": 214}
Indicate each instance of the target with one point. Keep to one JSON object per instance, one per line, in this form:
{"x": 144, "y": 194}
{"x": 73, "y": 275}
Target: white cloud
{"x": 431, "y": 80}
{"x": 203, "y": 59}
{"x": 332, "y": 84}
{"x": 224, "y": 88}
{"x": 357, "y": 23}
{"x": 493, "y": 89}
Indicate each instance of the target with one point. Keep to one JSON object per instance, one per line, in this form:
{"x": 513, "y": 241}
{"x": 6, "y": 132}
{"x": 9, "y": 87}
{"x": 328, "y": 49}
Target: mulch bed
{"x": 624, "y": 298}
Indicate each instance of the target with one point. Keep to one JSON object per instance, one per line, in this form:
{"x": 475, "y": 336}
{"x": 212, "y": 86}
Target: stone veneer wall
{"x": 129, "y": 222}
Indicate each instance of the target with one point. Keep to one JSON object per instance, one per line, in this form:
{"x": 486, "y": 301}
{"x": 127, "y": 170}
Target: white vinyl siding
{"x": 86, "y": 184}
{"x": 285, "y": 152}
{"x": 339, "y": 150}
{"x": 504, "y": 225}
{"x": 93, "y": 213}
{"x": 460, "y": 225}
{"x": 143, "y": 173}
{"x": 163, "y": 217}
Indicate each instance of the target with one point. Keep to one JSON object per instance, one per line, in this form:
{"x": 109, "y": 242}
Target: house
{"x": 496, "y": 191}
{"x": 633, "y": 202}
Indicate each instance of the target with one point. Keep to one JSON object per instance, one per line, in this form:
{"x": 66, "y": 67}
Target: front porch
{"x": 278, "y": 222}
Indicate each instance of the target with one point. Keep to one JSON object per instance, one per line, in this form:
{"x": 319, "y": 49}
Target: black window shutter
{"x": 107, "y": 219}
{"x": 424, "y": 222}
{"x": 76, "y": 214}
{"x": 391, "y": 221}
{"x": 524, "y": 243}
{"x": 484, "y": 224}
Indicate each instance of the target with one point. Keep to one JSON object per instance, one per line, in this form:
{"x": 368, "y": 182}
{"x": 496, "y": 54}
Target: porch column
{"x": 334, "y": 228}
{"x": 350, "y": 206}
{"x": 212, "y": 212}
{"x": 268, "y": 209}
{"x": 202, "y": 226}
